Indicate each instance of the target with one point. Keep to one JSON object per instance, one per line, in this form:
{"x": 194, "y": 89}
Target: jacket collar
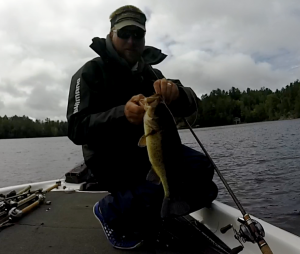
{"x": 104, "y": 48}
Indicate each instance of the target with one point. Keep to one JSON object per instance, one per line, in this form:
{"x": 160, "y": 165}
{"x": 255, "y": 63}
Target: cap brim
{"x": 129, "y": 23}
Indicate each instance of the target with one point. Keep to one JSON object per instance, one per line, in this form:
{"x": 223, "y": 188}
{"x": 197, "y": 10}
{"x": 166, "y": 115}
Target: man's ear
{"x": 111, "y": 34}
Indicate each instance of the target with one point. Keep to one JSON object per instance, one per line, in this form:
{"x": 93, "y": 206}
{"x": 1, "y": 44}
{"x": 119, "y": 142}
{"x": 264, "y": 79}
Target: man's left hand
{"x": 167, "y": 89}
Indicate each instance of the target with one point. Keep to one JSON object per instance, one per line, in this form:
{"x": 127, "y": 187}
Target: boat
{"x": 60, "y": 220}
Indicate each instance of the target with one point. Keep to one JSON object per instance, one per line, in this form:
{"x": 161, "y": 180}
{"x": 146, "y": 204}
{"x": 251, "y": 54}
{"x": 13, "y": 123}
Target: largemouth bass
{"x": 164, "y": 148}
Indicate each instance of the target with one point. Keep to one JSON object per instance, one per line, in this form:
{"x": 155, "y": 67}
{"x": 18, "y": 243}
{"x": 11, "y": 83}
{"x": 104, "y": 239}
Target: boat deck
{"x": 68, "y": 227}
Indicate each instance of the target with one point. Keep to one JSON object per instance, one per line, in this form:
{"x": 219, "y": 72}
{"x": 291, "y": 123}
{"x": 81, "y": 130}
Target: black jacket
{"x": 98, "y": 93}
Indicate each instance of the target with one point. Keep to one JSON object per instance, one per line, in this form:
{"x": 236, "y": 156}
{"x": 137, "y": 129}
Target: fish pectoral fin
{"x": 142, "y": 141}
{"x": 153, "y": 177}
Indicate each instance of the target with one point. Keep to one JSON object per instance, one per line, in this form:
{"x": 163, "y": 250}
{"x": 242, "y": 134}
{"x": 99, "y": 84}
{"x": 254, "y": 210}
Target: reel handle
{"x": 237, "y": 250}
{"x": 226, "y": 228}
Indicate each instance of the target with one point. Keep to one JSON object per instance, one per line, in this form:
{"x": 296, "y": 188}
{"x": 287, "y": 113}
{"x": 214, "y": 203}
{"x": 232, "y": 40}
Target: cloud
{"x": 2, "y": 105}
{"x": 210, "y": 45}
{"x": 42, "y": 99}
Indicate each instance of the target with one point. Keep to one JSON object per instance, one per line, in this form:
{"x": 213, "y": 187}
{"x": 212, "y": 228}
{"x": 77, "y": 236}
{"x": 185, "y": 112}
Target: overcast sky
{"x": 210, "y": 44}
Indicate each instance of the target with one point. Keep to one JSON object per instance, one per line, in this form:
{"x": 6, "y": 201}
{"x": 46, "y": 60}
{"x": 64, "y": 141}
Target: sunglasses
{"x": 126, "y": 34}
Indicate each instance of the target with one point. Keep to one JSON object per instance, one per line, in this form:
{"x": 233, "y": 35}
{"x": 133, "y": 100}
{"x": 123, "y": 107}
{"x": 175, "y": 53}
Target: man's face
{"x": 129, "y": 42}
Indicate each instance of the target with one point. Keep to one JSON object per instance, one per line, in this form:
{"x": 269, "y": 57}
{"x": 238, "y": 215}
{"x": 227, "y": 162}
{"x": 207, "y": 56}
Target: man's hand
{"x": 167, "y": 89}
{"x": 134, "y": 112}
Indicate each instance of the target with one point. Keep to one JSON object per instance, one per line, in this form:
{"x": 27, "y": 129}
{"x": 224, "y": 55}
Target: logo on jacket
{"x": 77, "y": 96}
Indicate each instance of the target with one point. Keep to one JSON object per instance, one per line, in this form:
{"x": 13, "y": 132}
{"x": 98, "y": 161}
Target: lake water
{"x": 260, "y": 161}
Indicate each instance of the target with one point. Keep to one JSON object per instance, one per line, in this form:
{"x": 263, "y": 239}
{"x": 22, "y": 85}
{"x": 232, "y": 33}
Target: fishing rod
{"x": 250, "y": 230}
{"x": 217, "y": 170}
{"x": 13, "y": 194}
{"x": 9, "y": 203}
{"x": 15, "y": 213}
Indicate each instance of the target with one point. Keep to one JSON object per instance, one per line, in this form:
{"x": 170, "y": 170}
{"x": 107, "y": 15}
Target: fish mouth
{"x": 152, "y": 100}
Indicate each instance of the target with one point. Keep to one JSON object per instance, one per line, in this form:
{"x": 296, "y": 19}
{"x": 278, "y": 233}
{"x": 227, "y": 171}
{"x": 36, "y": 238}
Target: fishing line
{"x": 197, "y": 111}
{"x": 255, "y": 231}
{"x": 210, "y": 159}
{"x": 217, "y": 170}
{"x": 196, "y": 104}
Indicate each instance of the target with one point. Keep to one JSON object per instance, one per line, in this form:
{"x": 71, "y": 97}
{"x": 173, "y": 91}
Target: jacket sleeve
{"x": 88, "y": 119}
{"x": 186, "y": 104}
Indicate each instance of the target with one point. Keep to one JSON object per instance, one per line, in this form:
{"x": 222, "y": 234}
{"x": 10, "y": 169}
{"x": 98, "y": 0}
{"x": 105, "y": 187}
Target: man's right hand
{"x": 134, "y": 112}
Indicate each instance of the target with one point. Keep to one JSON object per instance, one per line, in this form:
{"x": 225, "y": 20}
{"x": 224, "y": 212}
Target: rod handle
{"x": 52, "y": 187}
{"x": 266, "y": 249}
{"x": 24, "y": 190}
{"x": 30, "y": 207}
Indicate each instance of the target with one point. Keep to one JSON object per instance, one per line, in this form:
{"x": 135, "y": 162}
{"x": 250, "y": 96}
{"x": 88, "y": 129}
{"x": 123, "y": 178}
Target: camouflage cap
{"x": 129, "y": 18}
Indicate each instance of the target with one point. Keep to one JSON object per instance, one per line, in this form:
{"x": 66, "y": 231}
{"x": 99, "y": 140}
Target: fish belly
{"x": 156, "y": 159}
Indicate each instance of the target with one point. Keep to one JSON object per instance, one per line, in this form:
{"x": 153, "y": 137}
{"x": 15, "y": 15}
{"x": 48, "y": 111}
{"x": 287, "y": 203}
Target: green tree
{"x": 297, "y": 105}
{"x": 24, "y": 127}
{"x": 272, "y": 106}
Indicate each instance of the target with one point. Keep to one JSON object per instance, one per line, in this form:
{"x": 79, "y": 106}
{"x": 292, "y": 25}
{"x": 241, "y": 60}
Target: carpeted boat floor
{"x": 68, "y": 226}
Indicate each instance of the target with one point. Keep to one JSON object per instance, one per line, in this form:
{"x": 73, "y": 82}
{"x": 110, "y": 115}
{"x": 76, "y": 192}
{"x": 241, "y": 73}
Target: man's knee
{"x": 131, "y": 206}
{"x": 198, "y": 162}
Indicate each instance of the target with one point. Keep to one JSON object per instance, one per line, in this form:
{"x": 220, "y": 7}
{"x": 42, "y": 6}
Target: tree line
{"x": 24, "y": 127}
{"x": 220, "y": 107}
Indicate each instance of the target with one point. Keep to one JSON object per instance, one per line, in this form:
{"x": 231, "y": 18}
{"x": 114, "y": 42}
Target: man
{"x": 105, "y": 117}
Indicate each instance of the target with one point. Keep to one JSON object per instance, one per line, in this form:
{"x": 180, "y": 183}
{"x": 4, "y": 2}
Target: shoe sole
{"x": 117, "y": 247}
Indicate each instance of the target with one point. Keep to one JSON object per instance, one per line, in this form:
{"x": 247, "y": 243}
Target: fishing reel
{"x": 244, "y": 234}
{"x": 2, "y": 205}
{"x": 5, "y": 206}
{"x": 14, "y": 213}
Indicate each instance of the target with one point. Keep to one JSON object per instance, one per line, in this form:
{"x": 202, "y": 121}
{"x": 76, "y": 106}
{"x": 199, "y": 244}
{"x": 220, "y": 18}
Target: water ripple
{"x": 261, "y": 163}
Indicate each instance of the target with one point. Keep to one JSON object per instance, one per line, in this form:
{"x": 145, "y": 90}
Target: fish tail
{"x": 166, "y": 187}
{"x": 162, "y": 176}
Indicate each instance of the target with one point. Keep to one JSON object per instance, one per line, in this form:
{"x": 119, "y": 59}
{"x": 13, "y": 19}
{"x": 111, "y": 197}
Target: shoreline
{"x": 244, "y": 123}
